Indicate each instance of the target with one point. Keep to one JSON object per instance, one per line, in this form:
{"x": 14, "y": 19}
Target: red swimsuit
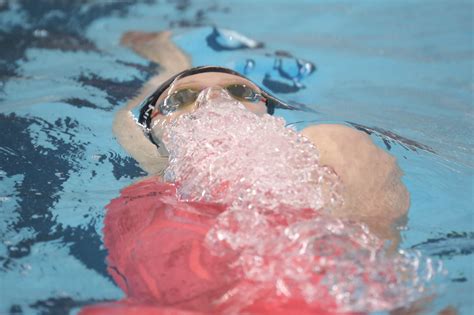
{"x": 157, "y": 257}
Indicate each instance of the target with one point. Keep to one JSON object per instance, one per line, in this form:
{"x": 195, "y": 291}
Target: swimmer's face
{"x": 181, "y": 96}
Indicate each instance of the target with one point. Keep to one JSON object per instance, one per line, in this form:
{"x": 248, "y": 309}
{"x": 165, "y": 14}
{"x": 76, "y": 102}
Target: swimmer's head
{"x": 181, "y": 93}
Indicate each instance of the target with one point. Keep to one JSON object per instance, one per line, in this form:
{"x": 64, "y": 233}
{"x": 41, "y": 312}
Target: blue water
{"x": 402, "y": 70}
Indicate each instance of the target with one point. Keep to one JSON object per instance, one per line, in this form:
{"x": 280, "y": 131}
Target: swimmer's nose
{"x": 217, "y": 91}
{"x": 212, "y": 93}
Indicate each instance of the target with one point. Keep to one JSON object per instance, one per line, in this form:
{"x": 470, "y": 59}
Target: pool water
{"x": 401, "y": 71}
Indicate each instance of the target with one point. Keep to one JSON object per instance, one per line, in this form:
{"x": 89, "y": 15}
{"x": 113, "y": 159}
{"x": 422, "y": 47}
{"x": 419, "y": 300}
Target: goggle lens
{"x": 178, "y": 100}
{"x": 182, "y": 98}
{"x": 244, "y": 93}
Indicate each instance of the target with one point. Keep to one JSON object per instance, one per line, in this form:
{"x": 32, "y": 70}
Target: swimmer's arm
{"x": 157, "y": 47}
{"x": 373, "y": 191}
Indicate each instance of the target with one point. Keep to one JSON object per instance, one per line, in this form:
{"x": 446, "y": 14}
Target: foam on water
{"x": 278, "y": 219}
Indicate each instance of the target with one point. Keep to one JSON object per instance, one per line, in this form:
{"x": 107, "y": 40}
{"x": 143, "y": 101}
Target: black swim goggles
{"x": 182, "y": 97}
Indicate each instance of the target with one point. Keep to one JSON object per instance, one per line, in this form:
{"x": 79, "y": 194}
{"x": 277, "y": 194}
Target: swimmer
{"x": 373, "y": 192}
{"x": 157, "y": 242}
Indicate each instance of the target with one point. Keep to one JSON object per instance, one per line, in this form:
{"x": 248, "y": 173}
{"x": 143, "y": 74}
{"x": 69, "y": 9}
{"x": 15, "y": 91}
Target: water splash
{"x": 254, "y": 162}
{"x": 224, "y": 39}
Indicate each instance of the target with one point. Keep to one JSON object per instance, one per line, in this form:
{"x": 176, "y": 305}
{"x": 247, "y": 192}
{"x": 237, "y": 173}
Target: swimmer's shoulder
{"x": 373, "y": 192}
{"x": 335, "y": 132}
{"x": 334, "y": 139}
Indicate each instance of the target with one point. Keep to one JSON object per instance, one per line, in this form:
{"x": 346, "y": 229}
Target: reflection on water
{"x": 389, "y": 68}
